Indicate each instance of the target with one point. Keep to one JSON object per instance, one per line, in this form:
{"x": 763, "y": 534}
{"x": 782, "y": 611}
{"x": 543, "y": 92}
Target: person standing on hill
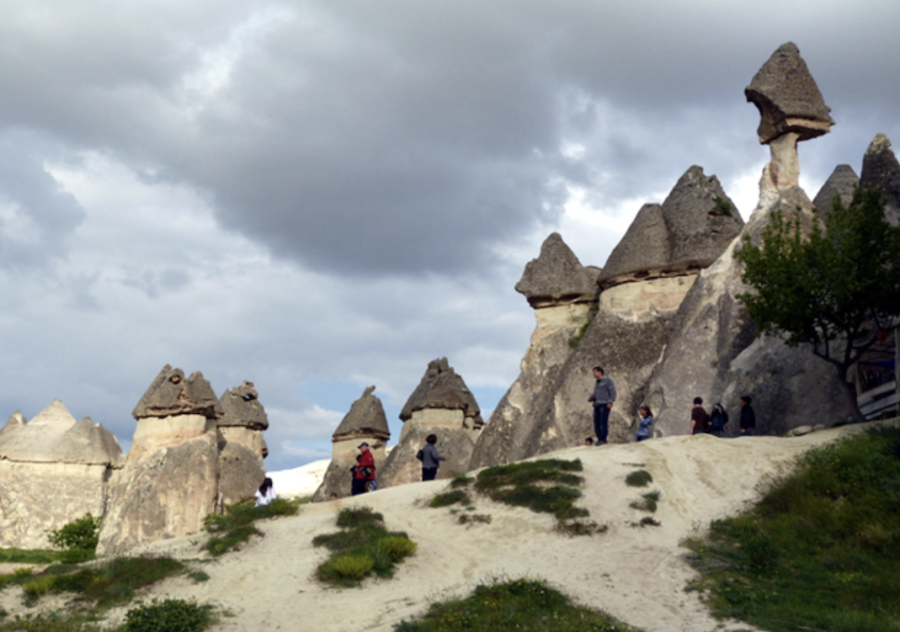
{"x": 699, "y": 418}
{"x": 748, "y": 417}
{"x": 645, "y": 423}
{"x": 430, "y": 459}
{"x": 363, "y": 471}
{"x": 603, "y": 398}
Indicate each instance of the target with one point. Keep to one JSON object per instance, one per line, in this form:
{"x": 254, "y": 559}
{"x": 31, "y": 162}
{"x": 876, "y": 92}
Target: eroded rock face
{"x": 52, "y": 471}
{"x": 242, "y": 447}
{"x": 788, "y": 98}
{"x": 365, "y": 422}
{"x": 241, "y": 407}
{"x": 172, "y": 394}
{"x": 441, "y": 387}
{"x": 691, "y": 228}
{"x": 556, "y": 277}
{"x": 881, "y": 171}
{"x": 840, "y": 184}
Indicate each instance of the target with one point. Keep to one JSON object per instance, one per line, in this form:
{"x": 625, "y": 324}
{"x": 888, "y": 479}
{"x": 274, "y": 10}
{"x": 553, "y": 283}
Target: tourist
{"x": 265, "y": 494}
{"x": 718, "y": 419}
{"x": 430, "y": 458}
{"x": 748, "y": 417}
{"x": 363, "y": 471}
{"x": 589, "y": 441}
{"x": 645, "y": 423}
{"x": 603, "y": 398}
{"x": 699, "y": 418}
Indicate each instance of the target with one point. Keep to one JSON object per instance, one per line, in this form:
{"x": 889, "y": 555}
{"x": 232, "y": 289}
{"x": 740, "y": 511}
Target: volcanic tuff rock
{"x": 241, "y": 407}
{"x": 367, "y": 422}
{"x": 172, "y": 394}
{"x": 842, "y": 184}
{"x": 241, "y": 444}
{"x": 688, "y": 232}
{"x": 444, "y": 406}
{"x": 556, "y": 277}
{"x": 52, "y": 471}
{"x": 881, "y": 171}
{"x": 788, "y": 98}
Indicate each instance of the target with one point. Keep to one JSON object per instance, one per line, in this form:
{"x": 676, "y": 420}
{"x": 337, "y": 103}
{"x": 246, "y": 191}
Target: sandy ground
{"x": 638, "y": 574}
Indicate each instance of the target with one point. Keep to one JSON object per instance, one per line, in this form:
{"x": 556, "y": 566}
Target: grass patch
{"x": 29, "y": 556}
{"x": 363, "y": 547}
{"x": 520, "y": 604}
{"x": 234, "y": 527}
{"x": 820, "y": 551}
{"x": 451, "y": 498}
{"x": 638, "y": 478}
{"x": 648, "y": 502}
{"x": 170, "y": 615}
{"x": 49, "y": 622}
{"x": 460, "y": 480}
{"x": 545, "y": 486}
{"x": 471, "y": 519}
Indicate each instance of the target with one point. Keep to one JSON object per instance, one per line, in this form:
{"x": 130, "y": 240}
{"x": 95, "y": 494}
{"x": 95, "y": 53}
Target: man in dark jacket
{"x": 748, "y": 417}
{"x": 603, "y": 398}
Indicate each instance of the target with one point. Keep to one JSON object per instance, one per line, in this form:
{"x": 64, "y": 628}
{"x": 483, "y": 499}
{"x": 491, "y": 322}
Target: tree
{"x": 834, "y": 289}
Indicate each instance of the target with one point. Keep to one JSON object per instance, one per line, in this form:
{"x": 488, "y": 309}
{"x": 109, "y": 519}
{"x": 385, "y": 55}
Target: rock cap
{"x": 441, "y": 387}
{"x": 172, "y": 394}
{"x": 241, "y": 407}
{"x": 365, "y": 419}
{"x": 556, "y": 277}
{"x": 788, "y": 98}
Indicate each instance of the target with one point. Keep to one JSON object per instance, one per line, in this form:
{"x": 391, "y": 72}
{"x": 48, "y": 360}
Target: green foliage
{"x": 170, "y": 615}
{"x": 837, "y": 284}
{"x": 460, "y": 480}
{"x": 78, "y": 539}
{"x": 18, "y": 578}
{"x": 364, "y": 539}
{"x": 199, "y": 577}
{"x": 474, "y": 519}
{"x": 648, "y": 502}
{"x": 28, "y": 556}
{"x": 638, "y": 478}
{"x": 546, "y": 486}
{"x": 48, "y": 622}
{"x": 574, "y": 340}
{"x": 722, "y": 207}
{"x": 450, "y": 498}
{"x": 520, "y": 604}
{"x": 234, "y": 527}
{"x": 821, "y": 550}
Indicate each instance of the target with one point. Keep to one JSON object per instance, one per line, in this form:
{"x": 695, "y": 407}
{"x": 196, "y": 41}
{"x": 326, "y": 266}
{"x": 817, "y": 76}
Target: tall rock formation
{"x": 442, "y": 405}
{"x": 842, "y": 184}
{"x": 711, "y": 351}
{"x": 563, "y": 294}
{"x": 242, "y": 447}
{"x": 881, "y": 171}
{"x": 53, "y": 470}
{"x": 366, "y": 422}
{"x": 170, "y": 480}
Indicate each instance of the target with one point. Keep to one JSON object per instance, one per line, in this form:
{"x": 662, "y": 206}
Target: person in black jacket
{"x": 748, "y": 417}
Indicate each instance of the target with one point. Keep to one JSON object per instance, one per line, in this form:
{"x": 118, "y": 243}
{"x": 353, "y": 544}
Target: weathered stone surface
{"x": 241, "y": 472}
{"x": 840, "y": 184}
{"x": 454, "y": 442}
{"x": 172, "y": 394}
{"x": 556, "y": 277}
{"x": 241, "y": 407}
{"x": 163, "y": 492}
{"x": 881, "y": 171}
{"x": 365, "y": 420}
{"x": 441, "y": 387}
{"x": 788, "y": 98}
{"x": 694, "y": 225}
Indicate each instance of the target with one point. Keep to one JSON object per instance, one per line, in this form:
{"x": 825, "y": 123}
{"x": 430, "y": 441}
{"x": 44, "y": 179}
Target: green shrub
{"x": 648, "y": 502}
{"x": 170, "y": 615}
{"x": 29, "y": 556}
{"x": 39, "y": 586}
{"x": 79, "y": 538}
{"x": 460, "y": 480}
{"x": 638, "y": 478}
{"x": 354, "y": 517}
{"x": 397, "y": 547}
{"x": 352, "y": 567}
{"x": 235, "y": 526}
{"x": 474, "y": 519}
{"x": 450, "y": 498}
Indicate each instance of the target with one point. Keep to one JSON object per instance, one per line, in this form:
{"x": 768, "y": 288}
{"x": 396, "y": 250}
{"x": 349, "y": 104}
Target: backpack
{"x": 719, "y": 420}
{"x": 420, "y": 455}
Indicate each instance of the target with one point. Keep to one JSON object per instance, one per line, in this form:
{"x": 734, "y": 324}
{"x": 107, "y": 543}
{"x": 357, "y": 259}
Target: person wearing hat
{"x": 363, "y": 471}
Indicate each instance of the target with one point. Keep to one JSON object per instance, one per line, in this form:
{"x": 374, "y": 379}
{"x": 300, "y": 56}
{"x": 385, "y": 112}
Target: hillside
{"x": 635, "y": 573}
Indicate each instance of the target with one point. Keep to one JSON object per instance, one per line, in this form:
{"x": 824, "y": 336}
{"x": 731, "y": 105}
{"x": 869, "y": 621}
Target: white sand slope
{"x": 301, "y": 481}
{"x": 638, "y": 574}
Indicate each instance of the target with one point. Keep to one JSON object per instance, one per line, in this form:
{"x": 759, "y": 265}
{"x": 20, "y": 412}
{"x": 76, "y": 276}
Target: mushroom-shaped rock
{"x": 841, "y": 184}
{"x": 366, "y": 419}
{"x": 241, "y": 407}
{"x": 881, "y": 171}
{"x": 442, "y": 388}
{"x": 788, "y": 98}
{"x": 694, "y": 225}
{"x": 556, "y": 277}
{"x": 172, "y": 394}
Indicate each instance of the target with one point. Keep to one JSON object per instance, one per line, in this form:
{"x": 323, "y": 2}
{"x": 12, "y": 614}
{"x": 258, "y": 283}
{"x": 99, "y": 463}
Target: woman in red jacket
{"x": 363, "y": 471}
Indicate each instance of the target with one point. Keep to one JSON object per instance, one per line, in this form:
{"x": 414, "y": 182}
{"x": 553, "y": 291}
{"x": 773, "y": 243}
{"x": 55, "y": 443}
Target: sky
{"x": 320, "y": 196}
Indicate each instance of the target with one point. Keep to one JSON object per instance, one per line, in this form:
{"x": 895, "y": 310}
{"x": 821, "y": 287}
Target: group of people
{"x": 364, "y": 479}
{"x": 604, "y": 396}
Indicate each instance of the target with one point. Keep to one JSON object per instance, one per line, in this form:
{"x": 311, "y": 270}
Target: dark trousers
{"x": 601, "y": 422}
{"x": 358, "y": 487}
{"x": 428, "y": 473}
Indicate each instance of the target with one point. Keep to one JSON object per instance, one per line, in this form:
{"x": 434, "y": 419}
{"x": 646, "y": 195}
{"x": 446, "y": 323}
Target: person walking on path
{"x": 699, "y": 418}
{"x": 748, "y": 417}
{"x": 363, "y": 471}
{"x": 718, "y": 420}
{"x": 603, "y": 398}
{"x": 645, "y": 423}
{"x": 430, "y": 458}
